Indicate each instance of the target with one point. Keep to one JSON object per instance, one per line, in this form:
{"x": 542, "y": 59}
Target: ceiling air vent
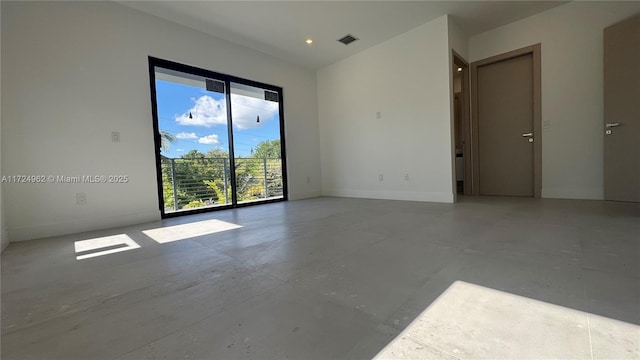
{"x": 348, "y": 39}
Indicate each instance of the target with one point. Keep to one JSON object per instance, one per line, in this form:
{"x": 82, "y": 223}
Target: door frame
{"x": 535, "y": 51}
{"x": 228, "y": 79}
{"x": 459, "y": 61}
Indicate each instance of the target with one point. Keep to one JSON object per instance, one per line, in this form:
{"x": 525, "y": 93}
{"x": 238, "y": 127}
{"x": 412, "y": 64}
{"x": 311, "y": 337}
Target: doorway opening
{"x": 219, "y": 139}
{"x": 461, "y": 125}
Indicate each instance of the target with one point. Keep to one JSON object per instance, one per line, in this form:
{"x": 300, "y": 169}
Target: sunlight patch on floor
{"x": 470, "y": 321}
{"x": 109, "y": 244}
{"x": 185, "y": 231}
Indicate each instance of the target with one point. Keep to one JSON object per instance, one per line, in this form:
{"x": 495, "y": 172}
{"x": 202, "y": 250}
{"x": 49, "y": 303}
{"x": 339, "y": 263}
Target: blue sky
{"x": 207, "y": 129}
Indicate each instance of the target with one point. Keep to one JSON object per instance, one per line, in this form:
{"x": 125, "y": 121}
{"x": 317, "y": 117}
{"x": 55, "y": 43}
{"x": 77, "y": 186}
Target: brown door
{"x": 505, "y": 127}
{"x": 622, "y": 111}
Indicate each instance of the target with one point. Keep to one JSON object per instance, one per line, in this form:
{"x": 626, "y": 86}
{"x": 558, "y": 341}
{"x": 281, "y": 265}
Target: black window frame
{"x": 228, "y": 79}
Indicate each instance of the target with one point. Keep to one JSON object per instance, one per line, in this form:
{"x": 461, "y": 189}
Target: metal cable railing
{"x": 205, "y": 182}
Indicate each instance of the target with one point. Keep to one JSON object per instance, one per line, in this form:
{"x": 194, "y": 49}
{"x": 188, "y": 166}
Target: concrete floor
{"x": 336, "y": 278}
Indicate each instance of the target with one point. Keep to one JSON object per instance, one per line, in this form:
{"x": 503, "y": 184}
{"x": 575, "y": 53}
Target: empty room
{"x": 320, "y": 179}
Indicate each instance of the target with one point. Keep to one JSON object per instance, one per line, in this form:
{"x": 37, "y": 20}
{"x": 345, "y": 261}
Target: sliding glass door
{"x": 256, "y": 143}
{"x": 219, "y": 139}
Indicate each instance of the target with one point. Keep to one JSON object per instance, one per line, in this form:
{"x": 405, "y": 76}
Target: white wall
{"x": 4, "y": 239}
{"x": 458, "y": 39}
{"x": 407, "y": 79}
{"x": 572, "y": 98}
{"x": 73, "y": 72}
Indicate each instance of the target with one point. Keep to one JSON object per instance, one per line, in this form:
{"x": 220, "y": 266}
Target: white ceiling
{"x": 280, "y": 28}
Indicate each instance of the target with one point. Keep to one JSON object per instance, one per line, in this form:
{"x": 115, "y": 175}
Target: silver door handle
{"x": 610, "y": 125}
{"x": 527, "y": 135}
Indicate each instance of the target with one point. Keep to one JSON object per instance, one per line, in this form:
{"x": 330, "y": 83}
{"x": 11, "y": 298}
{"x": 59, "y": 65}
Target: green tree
{"x": 166, "y": 138}
{"x": 202, "y": 178}
{"x": 269, "y": 152}
{"x": 269, "y": 149}
{"x": 195, "y": 204}
{"x": 191, "y": 170}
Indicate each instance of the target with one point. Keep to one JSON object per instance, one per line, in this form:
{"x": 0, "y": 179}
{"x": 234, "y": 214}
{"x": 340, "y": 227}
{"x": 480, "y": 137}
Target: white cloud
{"x": 186, "y": 136}
{"x": 208, "y": 112}
{"x": 245, "y": 111}
{"x": 209, "y": 139}
{"x": 180, "y": 150}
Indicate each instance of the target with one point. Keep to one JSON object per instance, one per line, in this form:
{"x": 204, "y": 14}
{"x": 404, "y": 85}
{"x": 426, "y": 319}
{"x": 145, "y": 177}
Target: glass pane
{"x": 192, "y": 120}
{"x": 256, "y": 143}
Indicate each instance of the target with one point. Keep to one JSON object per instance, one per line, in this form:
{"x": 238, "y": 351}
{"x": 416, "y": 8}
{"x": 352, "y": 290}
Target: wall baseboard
{"x": 72, "y": 227}
{"x": 573, "y": 193}
{"x": 4, "y": 239}
{"x": 305, "y": 195}
{"x": 440, "y": 197}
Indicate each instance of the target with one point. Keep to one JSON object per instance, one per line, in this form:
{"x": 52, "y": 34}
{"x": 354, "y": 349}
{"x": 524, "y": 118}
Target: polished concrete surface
{"x": 336, "y": 278}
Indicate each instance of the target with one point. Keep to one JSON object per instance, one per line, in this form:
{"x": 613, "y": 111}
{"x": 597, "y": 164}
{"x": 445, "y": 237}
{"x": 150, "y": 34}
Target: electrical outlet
{"x": 378, "y": 115}
{"x": 406, "y": 177}
{"x": 115, "y": 136}
{"x": 380, "y": 177}
{"x": 308, "y": 180}
{"x": 81, "y": 198}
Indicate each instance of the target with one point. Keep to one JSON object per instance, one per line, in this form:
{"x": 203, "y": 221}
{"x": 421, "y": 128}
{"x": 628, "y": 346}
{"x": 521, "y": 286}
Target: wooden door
{"x": 622, "y": 111}
{"x": 505, "y": 127}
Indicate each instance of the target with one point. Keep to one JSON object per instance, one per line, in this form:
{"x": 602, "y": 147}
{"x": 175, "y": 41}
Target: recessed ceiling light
{"x": 459, "y": 69}
{"x": 309, "y": 41}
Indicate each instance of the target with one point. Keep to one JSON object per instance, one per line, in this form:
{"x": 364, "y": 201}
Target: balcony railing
{"x": 206, "y": 182}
